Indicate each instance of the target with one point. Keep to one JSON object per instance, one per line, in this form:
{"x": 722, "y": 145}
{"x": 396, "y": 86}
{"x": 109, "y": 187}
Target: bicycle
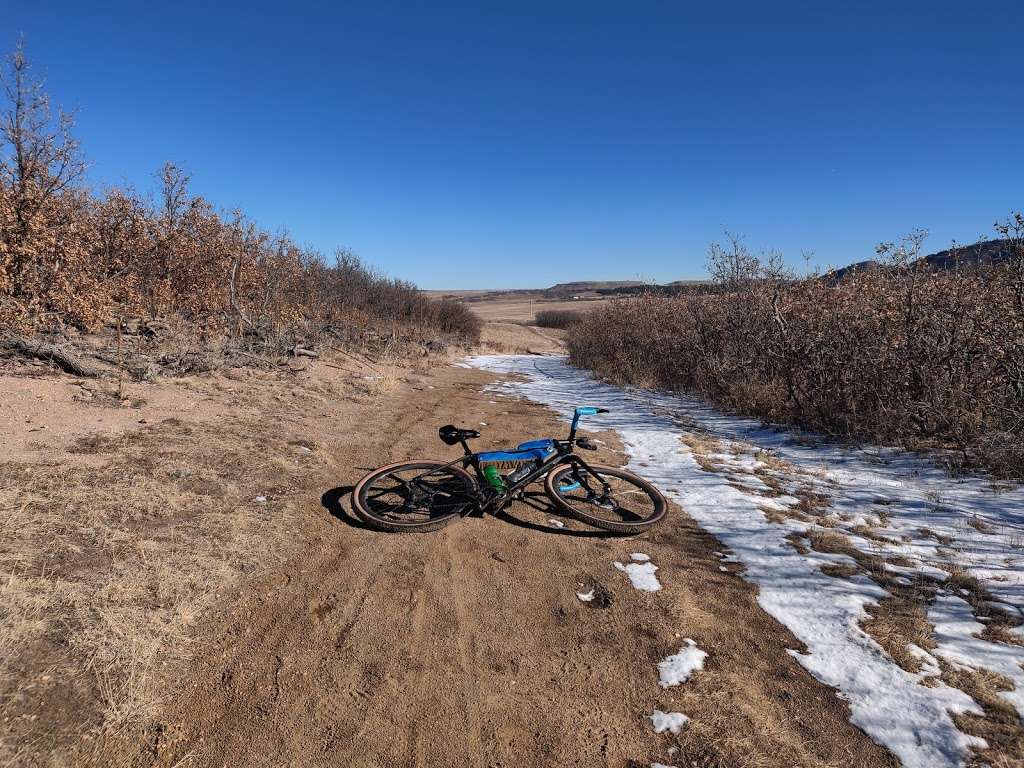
{"x": 427, "y": 495}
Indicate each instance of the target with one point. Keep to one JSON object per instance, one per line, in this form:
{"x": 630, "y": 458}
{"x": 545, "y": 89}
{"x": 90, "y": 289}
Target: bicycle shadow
{"x": 536, "y": 500}
{"x": 331, "y": 501}
{"x": 539, "y": 502}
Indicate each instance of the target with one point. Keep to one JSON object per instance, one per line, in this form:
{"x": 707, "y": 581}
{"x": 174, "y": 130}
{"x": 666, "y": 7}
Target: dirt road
{"x": 470, "y": 647}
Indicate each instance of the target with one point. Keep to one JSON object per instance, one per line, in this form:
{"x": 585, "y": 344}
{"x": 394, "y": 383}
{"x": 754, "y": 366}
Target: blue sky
{"x": 517, "y": 145}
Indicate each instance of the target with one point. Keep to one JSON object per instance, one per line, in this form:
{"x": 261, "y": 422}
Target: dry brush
{"x": 72, "y": 257}
{"x": 904, "y": 353}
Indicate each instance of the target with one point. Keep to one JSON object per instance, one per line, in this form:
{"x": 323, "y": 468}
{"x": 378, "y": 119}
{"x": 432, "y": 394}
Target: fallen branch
{"x": 42, "y": 350}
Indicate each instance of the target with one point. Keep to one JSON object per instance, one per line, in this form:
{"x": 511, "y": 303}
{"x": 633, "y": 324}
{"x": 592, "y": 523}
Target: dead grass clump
{"x": 980, "y": 525}
{"x": 811, "y": 502}
{"x": 839, "y": 571}
{"x": 774, "y": 462}
{"x": 773, "y": 484}
{"x": 998, "y": 622}
{"x": 799, "y": 542}
{"x": 868, "y": 532}
{"x": 701, "y": 442}
{"x": 832, "y": 542}
{"x": 999, "y": 726}
{"x": 836, "y": 543}
{"x": 101, "y": 443}
{"x": 943, "y": 540}
{"x": 386, "y": 379}
{"x": 898, "y": 621}
{"x": 702, "y": 445}
{"x": 997, "y": 631}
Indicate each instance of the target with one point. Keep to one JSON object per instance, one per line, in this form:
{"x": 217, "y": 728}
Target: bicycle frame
{"x": 487, "y": 497}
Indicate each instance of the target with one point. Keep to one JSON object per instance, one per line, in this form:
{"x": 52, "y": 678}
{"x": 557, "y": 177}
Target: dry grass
{"x": 1000, "y": 725}
{"x": 518, "y": 339}
{"x": 772, "y": 461}
{"x": 513, "y": 308}
{"x": 899, "y": 621}
{"x": 902, "y": 619}
{"x": 702, "y": 446}
{"x": 106, "y": 570}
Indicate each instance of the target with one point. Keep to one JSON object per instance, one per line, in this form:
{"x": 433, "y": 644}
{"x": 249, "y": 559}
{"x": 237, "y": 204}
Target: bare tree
{"x": 733, "y": 264}
{"x": 39, "y": 157}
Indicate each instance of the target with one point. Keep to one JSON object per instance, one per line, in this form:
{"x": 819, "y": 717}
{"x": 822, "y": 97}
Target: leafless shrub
{"x": 904, "y": 353}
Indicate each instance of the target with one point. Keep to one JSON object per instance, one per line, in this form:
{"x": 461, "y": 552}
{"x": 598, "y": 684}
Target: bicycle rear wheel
{"x": 630, "y": 505}
{"x": 414, "y": 496}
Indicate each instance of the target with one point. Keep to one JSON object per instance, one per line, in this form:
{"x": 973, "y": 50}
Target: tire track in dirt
{"x": 468, "y": 646}
{"x": 465, "y": 637}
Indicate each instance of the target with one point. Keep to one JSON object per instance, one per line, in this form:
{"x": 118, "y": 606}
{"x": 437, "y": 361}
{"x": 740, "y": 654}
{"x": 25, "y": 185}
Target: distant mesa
{"x": 985, "y": 253}
{"x": 981, "y": 254}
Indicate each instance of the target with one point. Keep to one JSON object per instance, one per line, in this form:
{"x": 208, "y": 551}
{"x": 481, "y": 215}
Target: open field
{"x": 520, "y": 311}
{"x": 517, "y": 338}
{"x": 519, "y": 307}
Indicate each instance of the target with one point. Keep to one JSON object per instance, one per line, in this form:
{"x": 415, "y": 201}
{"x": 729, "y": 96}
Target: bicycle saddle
{"x": 451, "y": 434}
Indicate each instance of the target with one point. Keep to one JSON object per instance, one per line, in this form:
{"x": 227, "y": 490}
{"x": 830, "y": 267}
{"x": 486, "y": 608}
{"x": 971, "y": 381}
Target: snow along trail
{"x": 934, "y": 524}
{"x": 677, "y": 668}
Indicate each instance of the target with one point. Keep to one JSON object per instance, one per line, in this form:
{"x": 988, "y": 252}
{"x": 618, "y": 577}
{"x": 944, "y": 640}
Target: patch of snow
{"x": 662, "y": 765}
{"x": 639, "y": 557}
{"x": 955, "y": 630}
{"x": 913, "y": 506}
{"x": 672, "y": 722}
{"x": 586, "y": 597}
{"x": 929, "y": 664}
{"x": 260, "y": 499}
{"x": 556, "y": 523}
{"x": 641, "y": 575}
{"x": 677, "y": 668}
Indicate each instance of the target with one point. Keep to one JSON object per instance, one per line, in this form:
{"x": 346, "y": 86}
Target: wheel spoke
{"x": 417, "y": 495}
{"x": 624, "y": 501}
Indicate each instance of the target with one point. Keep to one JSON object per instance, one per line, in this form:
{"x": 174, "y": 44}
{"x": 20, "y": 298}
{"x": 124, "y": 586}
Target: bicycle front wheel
{"x": 629, "y": 505}
{"x": 414, "y": 496}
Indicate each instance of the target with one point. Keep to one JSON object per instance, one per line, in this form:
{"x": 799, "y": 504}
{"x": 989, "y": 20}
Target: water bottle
{"x": 491, "y": 473}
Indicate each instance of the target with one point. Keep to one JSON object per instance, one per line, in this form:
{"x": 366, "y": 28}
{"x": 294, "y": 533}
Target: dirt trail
{"x": 469, "y": 647}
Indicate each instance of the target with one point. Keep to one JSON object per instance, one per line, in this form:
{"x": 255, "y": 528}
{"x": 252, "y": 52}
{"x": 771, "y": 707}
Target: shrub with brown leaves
{"x": 70, "y": 257}
{"x": 903, "y": 353}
